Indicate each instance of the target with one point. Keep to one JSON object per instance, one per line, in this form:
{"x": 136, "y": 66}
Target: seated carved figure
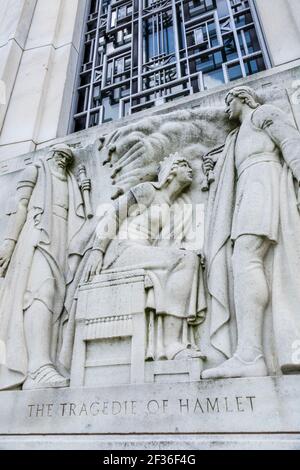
{"x": 151, "y": 226}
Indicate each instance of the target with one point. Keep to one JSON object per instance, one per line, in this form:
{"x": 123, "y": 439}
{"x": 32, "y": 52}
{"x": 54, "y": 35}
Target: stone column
{"x": 16, "y": 19}
{"x": 40, "y": 42}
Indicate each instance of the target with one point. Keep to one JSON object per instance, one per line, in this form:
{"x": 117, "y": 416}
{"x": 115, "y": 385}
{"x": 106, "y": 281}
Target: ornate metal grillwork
{"x": 141, "y": 53}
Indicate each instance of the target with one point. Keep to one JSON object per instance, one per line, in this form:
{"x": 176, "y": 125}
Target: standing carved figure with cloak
{"x": 252, "y": 214}
{"x": 49, "y": 214}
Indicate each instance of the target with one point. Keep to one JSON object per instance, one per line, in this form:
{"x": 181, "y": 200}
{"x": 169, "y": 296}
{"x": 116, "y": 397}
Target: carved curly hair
{"x": 245, "y": 94}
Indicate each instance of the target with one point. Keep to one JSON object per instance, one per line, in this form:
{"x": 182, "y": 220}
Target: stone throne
{"x": 116, "y": 338}
{"x": 134, "y": 320}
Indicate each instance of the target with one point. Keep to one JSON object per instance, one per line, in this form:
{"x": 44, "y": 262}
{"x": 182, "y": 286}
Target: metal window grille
{"x": 142, "y": 53}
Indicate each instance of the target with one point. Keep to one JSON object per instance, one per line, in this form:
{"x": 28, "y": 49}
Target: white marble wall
{"x": 16, "y": 19}
{"x": 251, "y": 405}
{"x": 39, "y": 47}
{"x": 280, "y": 21}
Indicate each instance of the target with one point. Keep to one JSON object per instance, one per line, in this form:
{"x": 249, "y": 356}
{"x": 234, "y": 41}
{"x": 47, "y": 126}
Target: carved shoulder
{"x": 267, "y": 115}
{"x": 27, "y": 182}
{"x": 29, "y": 175}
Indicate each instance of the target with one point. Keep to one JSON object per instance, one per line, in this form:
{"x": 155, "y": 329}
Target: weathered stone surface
{"x": 286, "y": 15}
{"x": 137, "y": 315}
{"x": 263, "y": 405}
{"x": 42, "y": 45}
{"x": 260, "y": 149}
{"x": 187, "y": 443}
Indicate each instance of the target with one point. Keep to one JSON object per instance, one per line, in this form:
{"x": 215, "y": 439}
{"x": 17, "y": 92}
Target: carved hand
{"x": 143, "y": 128}
{"x": 94, "y": 265}
{"x": 6, "y": 251}
{"x": 86, "y": 184}
{"x": 133, "y": 166}
{"x": 208, "y": 165}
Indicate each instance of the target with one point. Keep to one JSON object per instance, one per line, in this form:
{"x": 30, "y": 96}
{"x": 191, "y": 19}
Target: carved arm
{"x": 18, "y": 219}
{"x": 106, "y": 230}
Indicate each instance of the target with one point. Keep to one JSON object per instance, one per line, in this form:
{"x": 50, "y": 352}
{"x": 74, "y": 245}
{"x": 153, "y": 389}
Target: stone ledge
{"x": 154, "y": 443}
{"x": 252, "y": 405}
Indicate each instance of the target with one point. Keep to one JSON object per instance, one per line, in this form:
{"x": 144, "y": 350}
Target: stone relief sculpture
{"x": 33, "y": 259}
{"x": 252, "y": 240}
{"x": 253, "y": 213}
{"x": 53, "y": 244}
{"x": 151, "y": 228}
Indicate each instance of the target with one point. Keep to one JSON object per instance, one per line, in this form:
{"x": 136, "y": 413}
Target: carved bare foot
{"x": 150, "y": 356}
{"x": 237, "y": 367}
{"x": 45, "y": 377}
{"x": 161, "y": 356}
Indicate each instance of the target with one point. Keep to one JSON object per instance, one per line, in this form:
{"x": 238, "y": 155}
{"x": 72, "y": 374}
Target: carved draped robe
{"x": 152, "y": 238}
{"x": 170, "y": 270}
{"x": 39, "y": 264}
{"x": 225, "y": 222}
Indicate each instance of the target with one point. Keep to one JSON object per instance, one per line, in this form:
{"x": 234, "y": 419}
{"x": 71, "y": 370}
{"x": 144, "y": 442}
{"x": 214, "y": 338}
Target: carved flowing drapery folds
{"x": 251, "y": 281}
{"x": 49, "y": 213}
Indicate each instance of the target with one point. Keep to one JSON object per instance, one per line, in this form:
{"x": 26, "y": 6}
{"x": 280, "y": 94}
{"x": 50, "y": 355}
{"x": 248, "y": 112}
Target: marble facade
{"x": 158, "y": 290}
{"x": 115, "y": 325}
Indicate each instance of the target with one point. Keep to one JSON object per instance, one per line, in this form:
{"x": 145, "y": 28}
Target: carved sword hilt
{"x": 85, "y": 186}
{"x": 209, "y": 178}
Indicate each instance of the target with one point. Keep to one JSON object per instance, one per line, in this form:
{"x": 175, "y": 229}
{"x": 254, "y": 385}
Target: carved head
{"x": 239, "y": 97}
{"x": 62, "y": 156}
{"x": 175, "y": 166}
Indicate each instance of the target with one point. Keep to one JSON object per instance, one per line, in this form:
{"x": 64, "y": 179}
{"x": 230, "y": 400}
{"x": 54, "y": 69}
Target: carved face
{"x": 234, "y": 107}
{"x": 184, "y": 173}
{"x": 62, "y": 160}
